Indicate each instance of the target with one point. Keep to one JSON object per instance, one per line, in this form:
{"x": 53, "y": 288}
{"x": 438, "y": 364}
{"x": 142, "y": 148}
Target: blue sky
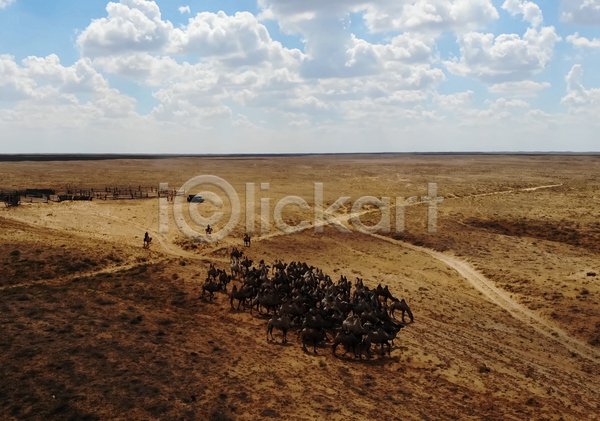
{"x": 299, "y": 76}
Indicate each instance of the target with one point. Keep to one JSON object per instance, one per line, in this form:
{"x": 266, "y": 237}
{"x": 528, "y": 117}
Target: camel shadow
{"x": 236, "y": 311}
{"x": 282, "y": 344}
{"x": 375, "y": 361}
{"x": 207, "y": 301}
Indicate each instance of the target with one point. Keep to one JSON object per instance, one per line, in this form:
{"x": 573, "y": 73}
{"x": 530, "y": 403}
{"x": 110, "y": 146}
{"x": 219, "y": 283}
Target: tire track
{"x": 61, "y": 279}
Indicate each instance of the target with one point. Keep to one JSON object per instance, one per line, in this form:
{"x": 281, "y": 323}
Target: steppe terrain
{"x": 505, "y": 295}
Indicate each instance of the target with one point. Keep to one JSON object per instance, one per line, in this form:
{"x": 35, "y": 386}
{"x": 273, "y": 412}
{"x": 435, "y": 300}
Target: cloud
{"x": 430, "y": 15}
{"x": 454, "y": 101}
{"x": 5, "y": 3}
{"x": 580, "y": 12}
{"x": 531, "y": 12}
{"x": 578, "y": 99}
{"x": 582, "y": 42}
{"x": 385, "y": 15}
{"x": 333, "y": 51}
{"x": 136, "y": 26}
{"x": 507, "y": 57}
{"x": 525, "y": 88}
{"x": 131, "y": 25}
{"x": 238, "y": 40}
{"x": 223, "y": 77}
{"x": 43, "y": 93}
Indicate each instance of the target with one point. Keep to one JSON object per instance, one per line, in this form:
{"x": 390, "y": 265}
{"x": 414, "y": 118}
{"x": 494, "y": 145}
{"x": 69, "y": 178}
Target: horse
{"x": 246, "y": 240}
{"x": 147, "y": 241}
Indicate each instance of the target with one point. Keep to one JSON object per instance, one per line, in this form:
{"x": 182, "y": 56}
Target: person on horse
{"x": 208, "y": 230}
{"x": 147, "y": 240}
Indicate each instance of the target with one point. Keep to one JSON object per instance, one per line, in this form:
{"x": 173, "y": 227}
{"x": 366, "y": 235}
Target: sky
{"x": 298, "y": 76}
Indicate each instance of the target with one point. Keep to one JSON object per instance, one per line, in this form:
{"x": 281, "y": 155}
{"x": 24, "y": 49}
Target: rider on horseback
{"x": 147, "y": 240}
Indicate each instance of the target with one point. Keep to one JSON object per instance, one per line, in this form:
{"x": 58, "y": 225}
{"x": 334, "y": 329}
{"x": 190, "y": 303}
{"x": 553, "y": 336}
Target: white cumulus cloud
{"x": 525, "y": 88}
{"x": 580, "y": 12}
{"x": 531, "y": 12}
{"x": 5, "y": 3}
{"x": 579, "y": 99}
{"x": 131, "y": 25}
{"x": 583, "y": 42}
{"x": 507, "y": 57}
{"x": 184, "y": 9}
{"x": 43, "y": 93}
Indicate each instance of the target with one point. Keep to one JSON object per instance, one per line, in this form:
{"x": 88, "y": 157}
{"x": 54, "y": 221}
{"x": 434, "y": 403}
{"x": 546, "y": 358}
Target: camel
{"x": 349, "y": 340}
{"x": 246, "y": 240}
{"x": 267, "y": 300}
{"x": 353, "y": 324}
{"x": 390, "y": 327}
{"x": 211, "y": 287}
{"x": 385, "y": 293}
{"x": 314, "y": 336}
{"x": 241, "y": 295}
{"x": 282, "y": 323}
{"x": 279, "y": 266}
{"x": 262, "y": 267}
{"x": 401, "y": 305}
{"x": 294, "y": 310}
{"x": 212, "y": 271}
{"x": 224, "y": 279}
{"x": 369, "y": 316}
{"x": 316, "y": 322}
{"x": 344, "y": 306}
{"x": 247, "y": 263}
{"x": 236, "y": 255}
{"x": 236, "y": 269}
{"x": 380, "y": 336}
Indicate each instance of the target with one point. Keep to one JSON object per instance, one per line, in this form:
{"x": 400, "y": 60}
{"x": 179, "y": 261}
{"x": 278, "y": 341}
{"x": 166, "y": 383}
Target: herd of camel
{"x": 298, "y": 295}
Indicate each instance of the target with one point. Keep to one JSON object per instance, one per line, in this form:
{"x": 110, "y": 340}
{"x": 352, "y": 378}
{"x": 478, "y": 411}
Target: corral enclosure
{"x": 505, "y": 295}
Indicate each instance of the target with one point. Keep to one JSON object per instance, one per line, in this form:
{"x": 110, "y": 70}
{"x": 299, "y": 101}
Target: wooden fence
{"x": 16, "y": 197}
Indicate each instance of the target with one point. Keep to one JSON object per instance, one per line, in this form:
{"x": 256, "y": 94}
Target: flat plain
{"x": 505, "y": 295}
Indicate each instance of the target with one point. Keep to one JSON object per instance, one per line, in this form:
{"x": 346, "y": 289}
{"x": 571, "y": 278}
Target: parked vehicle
{"x": 195, "y": 198}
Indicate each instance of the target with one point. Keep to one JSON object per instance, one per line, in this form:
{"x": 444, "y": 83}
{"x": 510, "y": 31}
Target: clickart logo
{"x": 321, "y": 217}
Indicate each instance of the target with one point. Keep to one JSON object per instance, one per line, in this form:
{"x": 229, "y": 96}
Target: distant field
{"x": 505, "y": 295}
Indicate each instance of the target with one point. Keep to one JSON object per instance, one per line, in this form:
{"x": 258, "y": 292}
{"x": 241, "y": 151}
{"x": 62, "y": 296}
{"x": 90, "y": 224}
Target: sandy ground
{"x": 505, "y": 295}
